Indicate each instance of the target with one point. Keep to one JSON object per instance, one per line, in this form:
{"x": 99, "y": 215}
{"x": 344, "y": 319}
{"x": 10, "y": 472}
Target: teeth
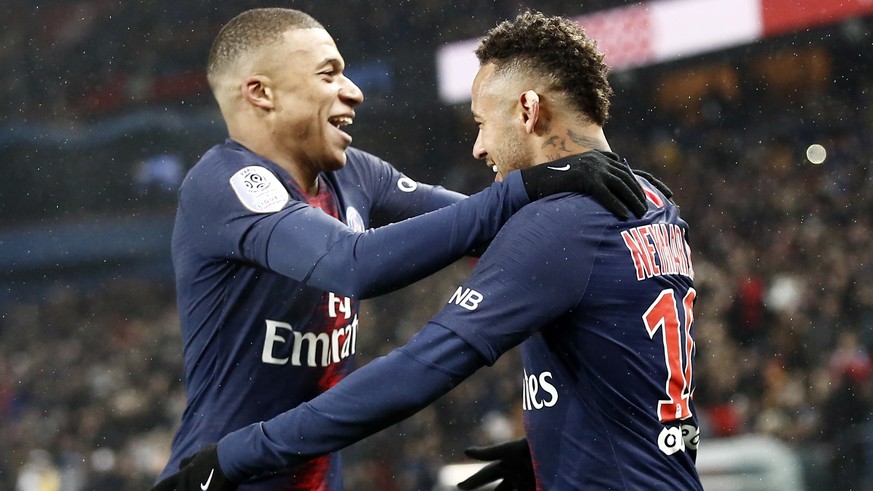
{"x": 340, "y": 121}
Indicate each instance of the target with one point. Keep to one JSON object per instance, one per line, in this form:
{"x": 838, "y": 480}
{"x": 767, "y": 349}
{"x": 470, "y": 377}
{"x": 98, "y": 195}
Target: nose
{"x": 478, "y": 148}
{"x": 351, "y": 93}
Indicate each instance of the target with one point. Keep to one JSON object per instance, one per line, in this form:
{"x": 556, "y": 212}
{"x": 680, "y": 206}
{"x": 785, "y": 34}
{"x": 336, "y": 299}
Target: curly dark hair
{"x": 252, "y": 29}
{"x": 557, "y": 47}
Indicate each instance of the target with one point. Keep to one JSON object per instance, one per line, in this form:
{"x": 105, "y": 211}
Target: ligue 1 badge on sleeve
{"x": 259, "y": 190}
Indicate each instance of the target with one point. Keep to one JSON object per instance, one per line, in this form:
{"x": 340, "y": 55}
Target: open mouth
{"x": 340, "y": 121}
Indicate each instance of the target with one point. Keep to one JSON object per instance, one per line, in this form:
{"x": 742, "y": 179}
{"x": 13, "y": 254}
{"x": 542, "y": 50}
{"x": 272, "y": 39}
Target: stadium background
{"x": 103, "y": 107}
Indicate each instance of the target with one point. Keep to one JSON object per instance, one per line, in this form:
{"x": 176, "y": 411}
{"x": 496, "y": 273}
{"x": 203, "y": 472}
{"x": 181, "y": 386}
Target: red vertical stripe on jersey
{"x": 313, "y": 475}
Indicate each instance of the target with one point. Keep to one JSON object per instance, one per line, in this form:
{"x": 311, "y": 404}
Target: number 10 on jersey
{"x": 663, "y": 316}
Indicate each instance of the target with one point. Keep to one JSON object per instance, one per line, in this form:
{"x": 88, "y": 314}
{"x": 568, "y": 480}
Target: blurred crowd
{"x": 90, "y": 389}
{"x": 68, "y": 62}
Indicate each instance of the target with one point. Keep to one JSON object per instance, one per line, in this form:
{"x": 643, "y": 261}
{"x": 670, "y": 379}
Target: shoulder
{"x": 229, "y": 172}
{"x": 356, "y": 157}
{"x": 364, "y": 168}
{"x": 216, "y": 166}
{"x": 560, "y": 214}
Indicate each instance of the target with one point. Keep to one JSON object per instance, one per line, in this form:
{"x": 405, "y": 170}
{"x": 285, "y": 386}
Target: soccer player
{"x": 602, "y": 308}
{"x": 274, "y": 242}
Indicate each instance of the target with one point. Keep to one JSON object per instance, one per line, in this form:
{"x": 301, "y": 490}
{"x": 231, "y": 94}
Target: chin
{"x": 335, "y": 163}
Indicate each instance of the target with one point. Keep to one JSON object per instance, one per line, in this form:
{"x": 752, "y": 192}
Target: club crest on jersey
{"x": 259, "y": 190}
{"x": 354, "y": 220}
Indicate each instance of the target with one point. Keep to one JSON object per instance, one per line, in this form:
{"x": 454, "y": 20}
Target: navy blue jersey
{"x": 603, "y": 312}
{"x": 268, "y": 285}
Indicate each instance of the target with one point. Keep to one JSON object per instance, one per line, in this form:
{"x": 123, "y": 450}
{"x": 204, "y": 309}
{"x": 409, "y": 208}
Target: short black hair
{"x": 252, "y": 29}
{"x": 559, "y": 48}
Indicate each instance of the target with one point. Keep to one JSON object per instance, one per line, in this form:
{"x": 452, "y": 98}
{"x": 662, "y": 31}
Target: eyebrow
{"x": 336, "y": 62}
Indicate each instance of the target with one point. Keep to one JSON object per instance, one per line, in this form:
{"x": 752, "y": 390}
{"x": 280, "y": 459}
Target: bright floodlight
{"x": 816, "y": 153}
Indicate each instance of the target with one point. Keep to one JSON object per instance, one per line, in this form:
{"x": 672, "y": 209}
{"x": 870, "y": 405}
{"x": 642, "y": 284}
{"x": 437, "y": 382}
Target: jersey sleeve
{"x": 307, "y": 245}
{"x": 377, "y": 395}
{"x": 523, "y": 282}
{"x": 394, "y": 195}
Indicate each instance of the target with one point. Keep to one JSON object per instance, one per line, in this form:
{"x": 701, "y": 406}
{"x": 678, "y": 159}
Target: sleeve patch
{"x": 406, "y": 184}
{"x": 259, "y": 190}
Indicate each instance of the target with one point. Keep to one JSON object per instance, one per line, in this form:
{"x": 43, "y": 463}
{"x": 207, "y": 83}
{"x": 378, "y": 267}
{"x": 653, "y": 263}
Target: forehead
{"x": 308, "y": 47}
{"x": 481, "y": 92}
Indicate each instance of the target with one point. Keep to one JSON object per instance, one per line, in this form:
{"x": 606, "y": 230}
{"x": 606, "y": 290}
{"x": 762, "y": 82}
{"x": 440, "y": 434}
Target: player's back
{"x": 607, "y": 387}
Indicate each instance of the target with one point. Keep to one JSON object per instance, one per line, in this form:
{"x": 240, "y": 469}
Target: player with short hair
{"x": 274, "y": 242}
{"x": 602, "y": 308}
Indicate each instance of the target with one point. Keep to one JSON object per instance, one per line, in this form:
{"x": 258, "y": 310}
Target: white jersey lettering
{"x": 466, "y": 298}
{"x": 658, "y": 249}
{"x": 531, "y": 386}
{"x": 320, "y": 349}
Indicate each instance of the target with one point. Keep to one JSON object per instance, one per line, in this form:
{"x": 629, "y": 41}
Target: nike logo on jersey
{"x": 562, "y": 169}
{"x": 204, "y": 486}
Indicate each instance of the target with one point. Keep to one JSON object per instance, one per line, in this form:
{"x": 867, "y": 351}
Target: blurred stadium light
{"x": 745, "y": 463}
{"x": 749, "y": 463}
{"x": 450, "y": 475}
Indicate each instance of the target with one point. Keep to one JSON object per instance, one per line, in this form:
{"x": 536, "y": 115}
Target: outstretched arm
{"x": 379, "y": 394}
{"x": 384, "y": 259}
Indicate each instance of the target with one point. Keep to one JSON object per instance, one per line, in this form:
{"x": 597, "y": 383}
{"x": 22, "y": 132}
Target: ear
{"x": 530, "y": 109}
{"x": 256, "y": 90}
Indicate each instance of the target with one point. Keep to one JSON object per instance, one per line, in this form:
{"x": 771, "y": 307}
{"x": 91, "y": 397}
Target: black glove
{"x": 511, "y": 462}
{"x": 199, "y": 472}
{"x": 602, "y": 175}
{"x": 657, "y": 183}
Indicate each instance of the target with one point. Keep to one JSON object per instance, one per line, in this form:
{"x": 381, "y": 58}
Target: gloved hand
{"x": 511, "y": 462}
{"x": 199, "y": 472}
{"x": 599, "y": 174}
{"x": 666, "y": 191}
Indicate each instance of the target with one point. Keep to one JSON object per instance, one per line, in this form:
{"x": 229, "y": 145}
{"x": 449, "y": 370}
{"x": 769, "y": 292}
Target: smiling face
{"x": 312, "y": 99}
{"x": 502, "y": 140}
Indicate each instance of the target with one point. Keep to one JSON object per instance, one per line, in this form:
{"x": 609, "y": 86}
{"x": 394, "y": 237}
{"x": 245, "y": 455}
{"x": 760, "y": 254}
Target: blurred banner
{"x": 661, "y": 31}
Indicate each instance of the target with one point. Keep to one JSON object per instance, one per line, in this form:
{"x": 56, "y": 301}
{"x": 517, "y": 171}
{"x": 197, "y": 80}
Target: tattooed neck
{"x": 557, "y": 146}
{"x": 586, "y": 141}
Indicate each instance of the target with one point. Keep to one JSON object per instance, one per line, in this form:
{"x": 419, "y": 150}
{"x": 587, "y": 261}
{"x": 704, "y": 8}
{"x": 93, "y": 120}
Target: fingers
{"x": 629, "y": 197}
{"x": 663, "y": 188}
{"x": 485, "y": 475}
{"x": 505, "y": 486}
{"x": 611, "y": 199}
{"x": 624, "y": 172}
{"x": 489, "y": 452}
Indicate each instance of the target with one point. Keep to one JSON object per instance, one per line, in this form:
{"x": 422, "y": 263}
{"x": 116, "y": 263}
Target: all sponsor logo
{"x": 466, "y": 298}
{"x": 312, "y": 349}
{"x": 538, "y": 391}
{"x": 674, "y": 439}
